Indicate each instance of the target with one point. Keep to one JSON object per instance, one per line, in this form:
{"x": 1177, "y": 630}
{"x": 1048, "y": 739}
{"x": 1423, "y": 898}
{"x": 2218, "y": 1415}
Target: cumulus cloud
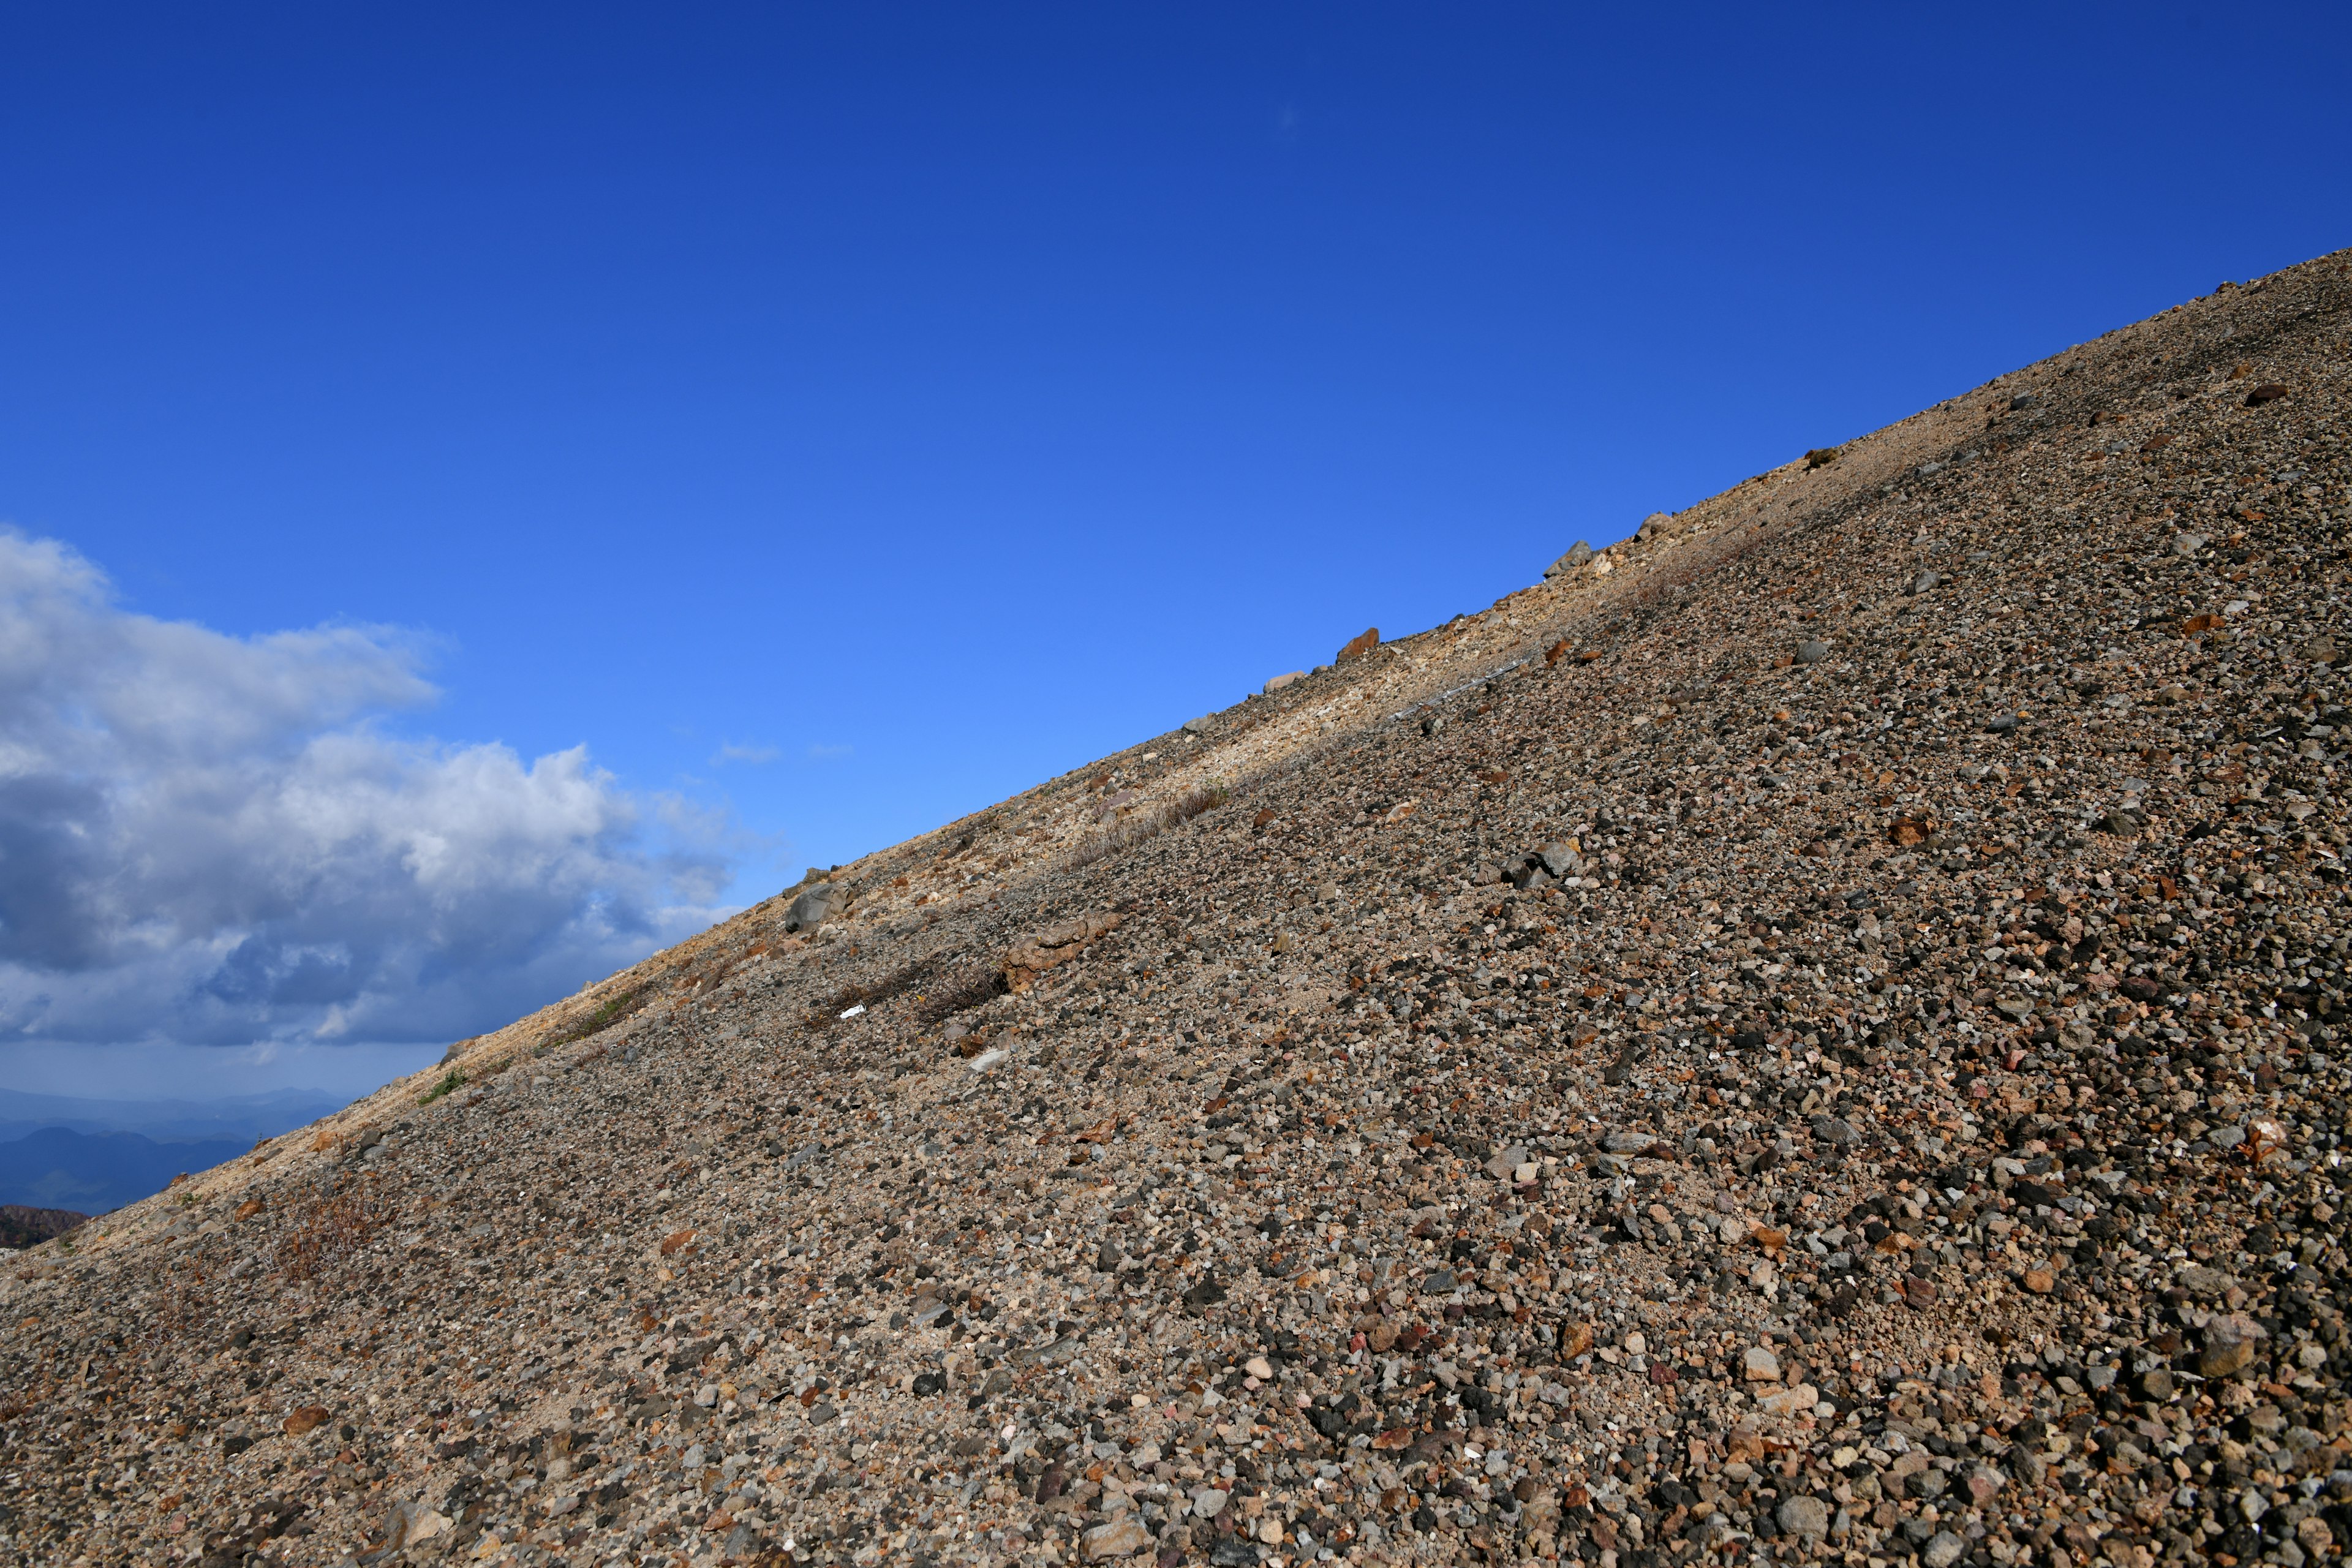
{"x": 211, "y": 839}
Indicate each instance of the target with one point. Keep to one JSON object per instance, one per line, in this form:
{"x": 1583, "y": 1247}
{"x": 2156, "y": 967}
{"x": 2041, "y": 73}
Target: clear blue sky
{"x": 834, "y": 419}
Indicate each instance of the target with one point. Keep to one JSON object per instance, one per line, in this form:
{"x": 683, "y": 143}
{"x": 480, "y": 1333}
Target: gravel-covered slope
{"x": 1813, "y": 1034}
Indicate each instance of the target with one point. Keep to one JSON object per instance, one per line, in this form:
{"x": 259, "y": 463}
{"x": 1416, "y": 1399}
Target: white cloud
{"x": 728, "y": 753}
{"x": 825, "y": 753}
{"x": 209, "y": 839}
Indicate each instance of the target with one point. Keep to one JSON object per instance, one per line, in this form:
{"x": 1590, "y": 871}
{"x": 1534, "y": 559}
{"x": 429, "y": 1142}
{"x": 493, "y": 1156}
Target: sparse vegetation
{"x": 326, "y": 1227}
{"x": 454, "y": 1081}
{"x": 1193, "y": 802}
{"x": 610, "y": 1012}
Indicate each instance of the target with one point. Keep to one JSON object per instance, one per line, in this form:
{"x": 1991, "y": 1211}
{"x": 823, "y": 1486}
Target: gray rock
{"x": 1807, "y": 1516}
{"x": 1812, "y": 652}
{"x": 819, "y": 904}
{"x": 2320, "y": 650}
{"x": 1200, "y": 726}
{"x": 1943, "y": 1550}
{"x": 1506, "y": 1160}
{"x": 1559, "y": 860}
{"x": 1653, "y": 525}
{"x": 1832, "y": 1129}
{"x": 1280, "y": 681}
{"x": 2187, "y": 544}
{"x": 1923, "y": 580}
{"x": 2024, "y": 400}
{"x": 1577, "y": 556}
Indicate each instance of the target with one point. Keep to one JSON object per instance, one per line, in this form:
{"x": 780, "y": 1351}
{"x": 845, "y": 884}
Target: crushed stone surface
{"x": 1814, "y": 1034}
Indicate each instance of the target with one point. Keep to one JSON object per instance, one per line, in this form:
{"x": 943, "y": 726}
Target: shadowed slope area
{"x": 1816, "y": 1029}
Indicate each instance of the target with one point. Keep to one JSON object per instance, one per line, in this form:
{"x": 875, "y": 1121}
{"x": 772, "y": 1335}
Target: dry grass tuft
{"x": 326, "y": 1230}
{"x": 1149, "y": 825}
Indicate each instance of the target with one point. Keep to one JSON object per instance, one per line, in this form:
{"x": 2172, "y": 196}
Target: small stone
{"x": 1760, "y": 1365}
{"x": 1943, "y": 1550}
{"x": 2230, "y": 1339}
{"x": 2201, "y": 1281}
{"x": 1804, "y": 1516}
{"x": 1258, "y": 1368}
{"x": 1506, "y": 1161}
{"x": 1200, "y": 726}
{"x": 1280, "y": 681}
{"x": 2187, "y": 546}
{"x": 2041, "y": 1281}
{"x": 1120, "y": 1538}
{"x": 1984, "y": 1484}
{"x": 1917, "y": 1293}
{"x": 1923, "y": 580}
{"x": 1209, "y": 1502}
{"x": 2320, "y": 650}
{"x": 303, "y": 1420}
{"x": 1359, "y": 645}
{"x": 1834, "y": 1131}
{"x": 1812, "y": 652}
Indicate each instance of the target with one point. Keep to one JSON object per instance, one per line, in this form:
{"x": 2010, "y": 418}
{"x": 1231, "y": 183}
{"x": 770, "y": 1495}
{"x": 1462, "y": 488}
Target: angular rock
{"x": 815, "y": 905}
{"x": 1578, "y": 554}
{"x": 1805, "y": 1517}
{"x": 1120, "y": 1538}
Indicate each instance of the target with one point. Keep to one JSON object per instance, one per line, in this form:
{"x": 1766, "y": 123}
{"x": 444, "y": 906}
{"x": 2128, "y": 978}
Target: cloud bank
{"x": 214, "y": 840}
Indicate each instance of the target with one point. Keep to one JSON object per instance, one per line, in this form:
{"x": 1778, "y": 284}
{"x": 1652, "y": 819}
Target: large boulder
{"x": 1040, "y": 950}
{"x": 824, "y": 902}
{"x": 1577, "y": 556}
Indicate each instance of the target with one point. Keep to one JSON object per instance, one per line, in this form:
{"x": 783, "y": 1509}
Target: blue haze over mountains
{"x": 93, "y": 1156}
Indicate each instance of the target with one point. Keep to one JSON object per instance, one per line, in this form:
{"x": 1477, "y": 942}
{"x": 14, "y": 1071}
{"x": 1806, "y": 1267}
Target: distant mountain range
{"x": 94, "y": 1171}
{"x": 93, "y": 1156}
{"x": 246, "y": 1117}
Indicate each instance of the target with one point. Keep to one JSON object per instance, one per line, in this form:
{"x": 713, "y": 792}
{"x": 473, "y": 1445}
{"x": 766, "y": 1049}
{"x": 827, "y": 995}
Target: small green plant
{"x": 455, "y": 1081}
{"x": 614, "y": 1010}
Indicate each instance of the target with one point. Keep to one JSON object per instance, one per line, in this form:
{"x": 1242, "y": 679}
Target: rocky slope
{"x": 1812, "y": 1033}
